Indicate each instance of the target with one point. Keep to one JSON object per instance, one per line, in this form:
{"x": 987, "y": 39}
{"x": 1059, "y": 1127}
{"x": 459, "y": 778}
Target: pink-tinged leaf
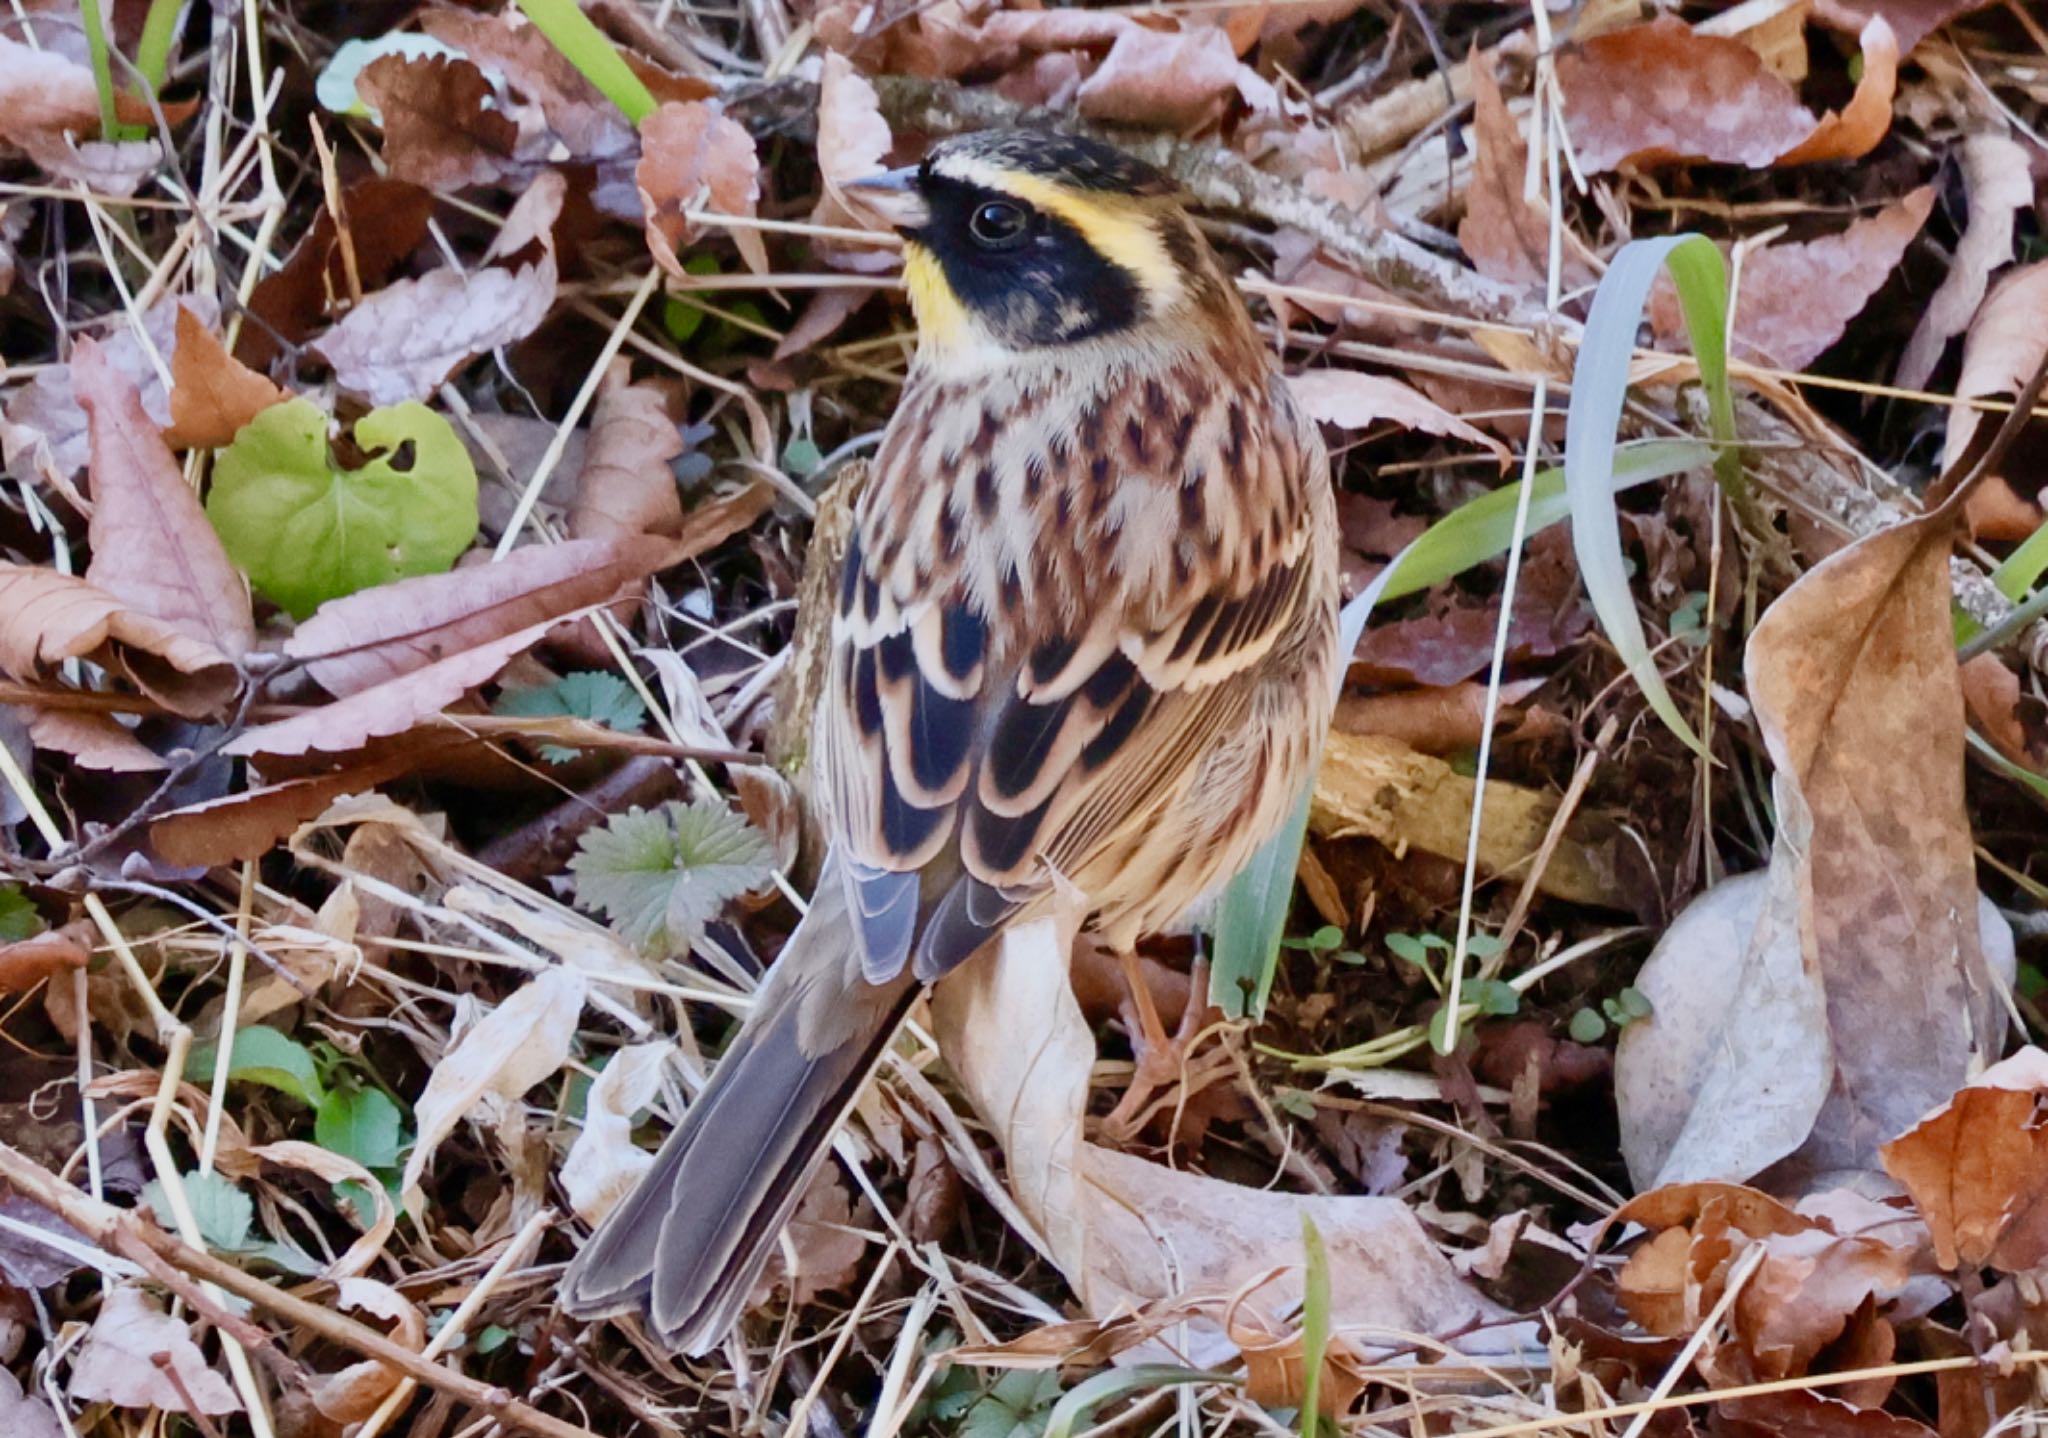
{"x": 694, "y": 157}
{"x": 1351, "y": 399}
{"x": 152, "y": 546}
{"x": 118, "y": 1361}
{"x": 47, "y": 617}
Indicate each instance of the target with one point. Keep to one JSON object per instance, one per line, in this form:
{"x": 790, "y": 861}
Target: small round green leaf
{"x": 1588, "y": 1027}
{"x": 308, "y": 531}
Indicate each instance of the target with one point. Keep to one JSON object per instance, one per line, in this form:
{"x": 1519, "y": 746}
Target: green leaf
{"x": 1635, "y": 1003}
{"x": 584, "y": 45}
{"x": 492, "y": 1339}
{"x": 1315, "y": 1322}
{"x": 591, "y": 694}
{"x": 1587, "y": 1027}
{"x": 1494, "y": 997}
{"x": 660, "y": 875}
{"x": 224, "y": 1213}
{"x": 265, "y": 1056}
{"x": 1409, "y": 950}
{"x": 18, "y": 917}
{"x": 362, "y": 1124}
{"x": 1599, "y": 388}
{"x": 1016, "y": 1407}
{"x": 308, "y": 531}
{"x": 1298, "y": 1102}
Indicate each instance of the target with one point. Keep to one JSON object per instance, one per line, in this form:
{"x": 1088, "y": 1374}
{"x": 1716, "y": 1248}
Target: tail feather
{"x": 689, "y": 1243}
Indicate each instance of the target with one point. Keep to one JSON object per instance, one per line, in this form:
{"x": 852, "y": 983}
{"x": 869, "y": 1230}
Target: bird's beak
{"x": 893, "y": 195}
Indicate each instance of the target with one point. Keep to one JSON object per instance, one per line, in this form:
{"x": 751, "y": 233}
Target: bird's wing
{"x": 975, "y": 746}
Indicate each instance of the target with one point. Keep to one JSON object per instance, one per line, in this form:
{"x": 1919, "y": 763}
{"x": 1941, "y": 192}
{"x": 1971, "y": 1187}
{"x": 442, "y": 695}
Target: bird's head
{"x": 1027, "y": 240}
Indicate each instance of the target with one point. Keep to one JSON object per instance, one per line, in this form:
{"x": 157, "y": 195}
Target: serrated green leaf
{"x": 308, "y": 531}
{"x": 362, "y": 1124}
{"x": 587, "y": 694}
{"x": 660, "y": 875}
{"x": 265, "y": 1056}
{"x": 1016, "y": 1407}
{"x": 18, "y": 917}
{"x": 223, "y": 1212}
{"x": 1587, "y": 1027}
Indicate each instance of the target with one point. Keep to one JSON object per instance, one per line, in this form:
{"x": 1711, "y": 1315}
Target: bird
{"x": 1084, "y": 651}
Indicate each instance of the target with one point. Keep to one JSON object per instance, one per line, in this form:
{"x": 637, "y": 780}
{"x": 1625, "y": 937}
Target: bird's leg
{"x": 1162, "y": 1058}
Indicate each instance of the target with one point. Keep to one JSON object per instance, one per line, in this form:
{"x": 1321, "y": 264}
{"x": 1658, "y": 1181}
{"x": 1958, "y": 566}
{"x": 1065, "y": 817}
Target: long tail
{"x": 688, "y": 1245}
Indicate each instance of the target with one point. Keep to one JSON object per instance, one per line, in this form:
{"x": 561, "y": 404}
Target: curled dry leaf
{"x": 352, "y": 1395}
{"x": 333, "y": 1167}
{"x": 2004, "y": 347}
{"x": 1869, "y": 908}
{"x": 604, "y": 1163}
{"x": 590, "y": 127}
{"x": 119, "y": 1361}
{"x": 1126, "y": 1231}
{"x": 853, "y": 144}
{"x": 1978, "y": 1168}
{"x": 508, "y": 1051}
{"x": 213, "y": 394}
{"x": 829, "y": 1246}
{"x": 27, "y": 962}
{"x": 1662, "y": 92}
{"x": 695, "y": 157}
{"x": 152, "y": 546}
{"x": 1505, "y": 231}
{"x": 1998, "y": 183}
{"x": 403, "y": 341}
{"x": 1797, "y": 299}
{"x": 626, "y": 486}
{"x": 1911, "y": 20}
{"x": 384, "y": 219}
{"x": 47, "y": 617}
{"x": 1352, "y": 399}
{"x": 47, "y": 101}
{"x": 94, "y": 741}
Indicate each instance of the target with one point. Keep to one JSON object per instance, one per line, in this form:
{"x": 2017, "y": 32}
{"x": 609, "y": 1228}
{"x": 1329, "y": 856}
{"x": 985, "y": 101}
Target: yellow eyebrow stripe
{"x": 1113, "y": 227}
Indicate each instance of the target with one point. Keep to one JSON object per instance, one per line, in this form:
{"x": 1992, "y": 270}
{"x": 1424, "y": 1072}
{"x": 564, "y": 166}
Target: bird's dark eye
{"x": 998, "y": 224}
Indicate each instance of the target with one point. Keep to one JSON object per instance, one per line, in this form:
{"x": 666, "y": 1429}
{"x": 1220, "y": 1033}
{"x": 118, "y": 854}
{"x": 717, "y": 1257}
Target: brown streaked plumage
{"x": 1087, "y": 629}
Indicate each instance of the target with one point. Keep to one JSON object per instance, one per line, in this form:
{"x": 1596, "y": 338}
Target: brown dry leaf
{"x": 45, "y": 429}
{"x": 1999, "y": 183}
{"x": 372, "y": 637}
{"x": 152, "y": 545}
{"x": 853, "y": 144}
{"x": 47, "y": 617}
{"x": 1163, "y": 80}
{"x": 1978, "y": 1168}
{"x": 245, "y": 826}
{"x": 829, "y": 1246}
{"x": 1869, "y": 908}
{"x": 626, "y": 486}
{"x": 27, "y": 962}
{"x": 1506, "y": 231}
{"x": 388, "y": 708}
{"x": 1797, "y": 299}
{"x": 1352, "y": 399}
{"x": 604, "y": 1163}
{"x": 212, "y": 393}
{"x": 353, "y": 1394}
{"x": 1911, "y": 20}
{"x": 589, "y": 126}
{"x": 2004, "y": 347}
{"x": 1432, "y": 721}
{"x": 117, "y": 1363}
{"x": 694, "y": 157}
{"x": 506, "y": 1052}
{"x": 331, "y": 1167}
{"x": 1661, "y": 92}
{"x": 47, "y": 100}
{"x": 1811, "y": 1413}
{"x": 403, "y": 341}
{"x": 1992, "y": 692}
{"x": 385, "y": 220}
{"x": 444, "y": 126}
{"x": 24, "y": 1415}
{"x": 94, "y": 741}
{"x": 1126, "y": 1231}
{"x": 1276, "y": 1364}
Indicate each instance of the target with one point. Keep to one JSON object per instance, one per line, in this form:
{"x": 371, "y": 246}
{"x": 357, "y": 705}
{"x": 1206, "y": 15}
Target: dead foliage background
{"x": 418, "y": 478}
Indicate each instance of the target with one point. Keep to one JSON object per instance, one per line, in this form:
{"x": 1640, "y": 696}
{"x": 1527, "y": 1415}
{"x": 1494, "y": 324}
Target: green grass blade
{"x": 90, "y": 16}
{"x": 585, "y": 47}
{"x": 1599, "y": 386}
{"x": 1315, "y": 1323}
